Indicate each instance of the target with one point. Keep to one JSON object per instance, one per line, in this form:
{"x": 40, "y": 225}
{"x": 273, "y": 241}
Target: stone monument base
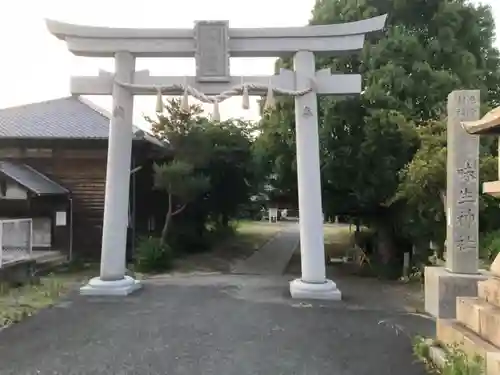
{"x": 325, "y": 291}
{"x": 442, "y": 288}
{"x": 98, "y": 287}
{"x": 476, "y": 330}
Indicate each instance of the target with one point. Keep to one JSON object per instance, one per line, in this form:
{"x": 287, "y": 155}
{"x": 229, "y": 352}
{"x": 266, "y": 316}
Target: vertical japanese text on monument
{"x": 465, "y": 186}
{"x": 467, "y": 107}
{"x": 466, "y": 209}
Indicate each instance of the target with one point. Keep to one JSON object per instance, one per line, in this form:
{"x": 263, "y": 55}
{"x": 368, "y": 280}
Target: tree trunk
{"x": 385, "y": 243}
{"x": 225, "y": 221}
{"x": 164, "y": 231}
{"x": 168, "y": 219}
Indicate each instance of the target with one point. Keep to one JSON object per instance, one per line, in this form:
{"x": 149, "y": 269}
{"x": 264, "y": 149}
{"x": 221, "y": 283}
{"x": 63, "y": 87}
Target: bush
{"x": 153, "y": 256}
{"x": 489, "y": 246}
{"x": 217, "y": 232}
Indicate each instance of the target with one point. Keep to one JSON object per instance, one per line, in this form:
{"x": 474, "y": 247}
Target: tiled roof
{"x": 65, "y": 118}
{"x": 31, "y": 179}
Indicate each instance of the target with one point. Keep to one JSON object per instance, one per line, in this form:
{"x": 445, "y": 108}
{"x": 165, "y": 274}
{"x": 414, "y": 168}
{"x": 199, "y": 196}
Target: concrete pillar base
{"x": 442, "y": 288}
{"x": 98, "y": 287}
{"x": 324, "y": 291}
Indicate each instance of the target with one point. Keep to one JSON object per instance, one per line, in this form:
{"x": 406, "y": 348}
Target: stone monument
{"x": 212, "y": 43}
{"x": 460, "y": 276}
{"x": 476, "y": 329}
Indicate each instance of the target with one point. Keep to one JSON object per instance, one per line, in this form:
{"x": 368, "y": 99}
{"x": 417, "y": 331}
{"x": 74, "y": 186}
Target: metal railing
{"x": 16, "y": 240}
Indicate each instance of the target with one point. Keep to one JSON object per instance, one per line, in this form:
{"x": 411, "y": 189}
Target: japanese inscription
{"x": 466, "y": 196}
{"x": 307, "y": 112}
{"x": 466, "y": 243}
{"x": 467, "y": 173}
{"x": 212, "y": 51}
{"x": 118, "y": 112}
{"x": 462, "y": 183}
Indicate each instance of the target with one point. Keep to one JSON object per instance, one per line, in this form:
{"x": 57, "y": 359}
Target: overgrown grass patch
{"x": 452, "y": 361}
{"x": 337, "y": 240}
{"x": 18, "y": 303}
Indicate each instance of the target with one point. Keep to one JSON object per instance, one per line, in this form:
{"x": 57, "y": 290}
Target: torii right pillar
{"x": 313, "y": 282}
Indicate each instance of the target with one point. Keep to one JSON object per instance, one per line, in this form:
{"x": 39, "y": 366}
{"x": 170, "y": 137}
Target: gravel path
{"x": 202, "y": 325}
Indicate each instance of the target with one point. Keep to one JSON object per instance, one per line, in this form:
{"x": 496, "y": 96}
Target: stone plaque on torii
{"x": 212, "y": 43}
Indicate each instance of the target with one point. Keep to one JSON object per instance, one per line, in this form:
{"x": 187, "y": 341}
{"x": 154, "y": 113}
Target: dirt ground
{"x": 369, "y": 291}
{"x": 251, "y": 235}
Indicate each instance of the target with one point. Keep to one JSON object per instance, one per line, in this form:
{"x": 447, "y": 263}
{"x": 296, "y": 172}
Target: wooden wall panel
{"x": 86, "y": 179}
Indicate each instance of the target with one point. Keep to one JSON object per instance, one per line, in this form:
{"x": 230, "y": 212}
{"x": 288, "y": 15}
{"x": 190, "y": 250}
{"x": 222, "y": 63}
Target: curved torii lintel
{"x": 64, "y": 30}
{"x": 243, "y": 42}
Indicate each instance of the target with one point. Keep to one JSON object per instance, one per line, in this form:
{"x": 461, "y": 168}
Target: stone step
{"x": 481, "y": 317}
{"x": 489, "y": 290}
{"x": 495, "y": 267}
{"x": 453, "y": 333}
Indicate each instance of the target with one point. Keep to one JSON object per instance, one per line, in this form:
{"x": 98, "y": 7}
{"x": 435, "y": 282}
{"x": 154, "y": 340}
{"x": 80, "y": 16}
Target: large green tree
{"x": 230, "y": 167}
{"x": 429, "y": 48}
{"x": 208, "y": 174}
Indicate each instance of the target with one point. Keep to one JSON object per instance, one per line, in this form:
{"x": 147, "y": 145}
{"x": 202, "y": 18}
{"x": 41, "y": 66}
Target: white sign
{"x": 61, "y": 219}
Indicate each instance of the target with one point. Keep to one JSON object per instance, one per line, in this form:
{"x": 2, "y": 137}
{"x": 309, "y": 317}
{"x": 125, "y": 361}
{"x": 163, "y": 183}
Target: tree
{"x": 178, "y": 179}
{"x": 209, "y": 168}
{"x": 274, "y": 150}
{"x": 423, "y": 186}
{"x": 230, "y": 167}
{"x": 429, "y": 49}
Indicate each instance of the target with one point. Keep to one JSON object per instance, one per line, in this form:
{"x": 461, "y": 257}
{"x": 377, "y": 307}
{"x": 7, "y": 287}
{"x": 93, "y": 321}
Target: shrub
{"x": 153, "y": 256}
{"x": 490, "y": 245}
{"x": 217, "y": 232}
{"x": 455, "y": 363}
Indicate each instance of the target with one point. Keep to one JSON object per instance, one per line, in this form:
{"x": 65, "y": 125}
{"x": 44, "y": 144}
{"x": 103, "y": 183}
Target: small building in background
{"x": 53, "y": 159}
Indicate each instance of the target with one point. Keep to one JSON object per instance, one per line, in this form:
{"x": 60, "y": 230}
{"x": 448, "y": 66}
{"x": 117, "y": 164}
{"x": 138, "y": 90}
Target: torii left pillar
{"x": 112, "y": 279}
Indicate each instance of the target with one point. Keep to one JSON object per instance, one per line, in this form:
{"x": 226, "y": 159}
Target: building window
{"x": 38, "y": 153}
{"x": 10, "y": 153}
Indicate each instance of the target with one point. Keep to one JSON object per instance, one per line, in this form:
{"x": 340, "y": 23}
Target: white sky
{"x": 35, "y": 66}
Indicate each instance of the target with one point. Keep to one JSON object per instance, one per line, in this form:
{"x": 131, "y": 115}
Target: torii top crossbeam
{"x": 212, "y": 43}
{"x": 249, "y": 42}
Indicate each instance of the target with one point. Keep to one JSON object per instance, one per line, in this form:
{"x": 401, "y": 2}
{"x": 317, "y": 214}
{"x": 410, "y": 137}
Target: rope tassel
{"x": 216, "y": 113}
{"x": 246, "y": 98}
{"x": 215, "y": 100}
{"x": 270, "y": 101}
{"x": 185, "y": 100}
{"x": 159, "y": 101}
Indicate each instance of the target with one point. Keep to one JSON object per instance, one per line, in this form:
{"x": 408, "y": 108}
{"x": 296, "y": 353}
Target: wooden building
{"x": 53, "y": 170}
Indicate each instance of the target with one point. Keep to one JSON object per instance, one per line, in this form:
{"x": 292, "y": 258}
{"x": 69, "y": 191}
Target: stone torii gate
{"x": 212, "y": 43}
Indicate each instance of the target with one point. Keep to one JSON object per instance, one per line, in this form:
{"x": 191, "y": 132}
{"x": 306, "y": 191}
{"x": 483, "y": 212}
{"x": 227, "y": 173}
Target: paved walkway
{"x": 204, "y": 325}
{"x": 274, "y": 256}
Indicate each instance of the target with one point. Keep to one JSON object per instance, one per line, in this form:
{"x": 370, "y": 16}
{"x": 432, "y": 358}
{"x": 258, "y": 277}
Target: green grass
{"x": 254, "y": 234}
{"x": 19, "y": 303}
{"x": 338, "y": 240}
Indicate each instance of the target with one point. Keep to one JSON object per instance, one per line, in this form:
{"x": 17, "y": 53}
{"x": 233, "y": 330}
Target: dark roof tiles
{"x": 31, "y": 179}
{"x": 65, "y": 118}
